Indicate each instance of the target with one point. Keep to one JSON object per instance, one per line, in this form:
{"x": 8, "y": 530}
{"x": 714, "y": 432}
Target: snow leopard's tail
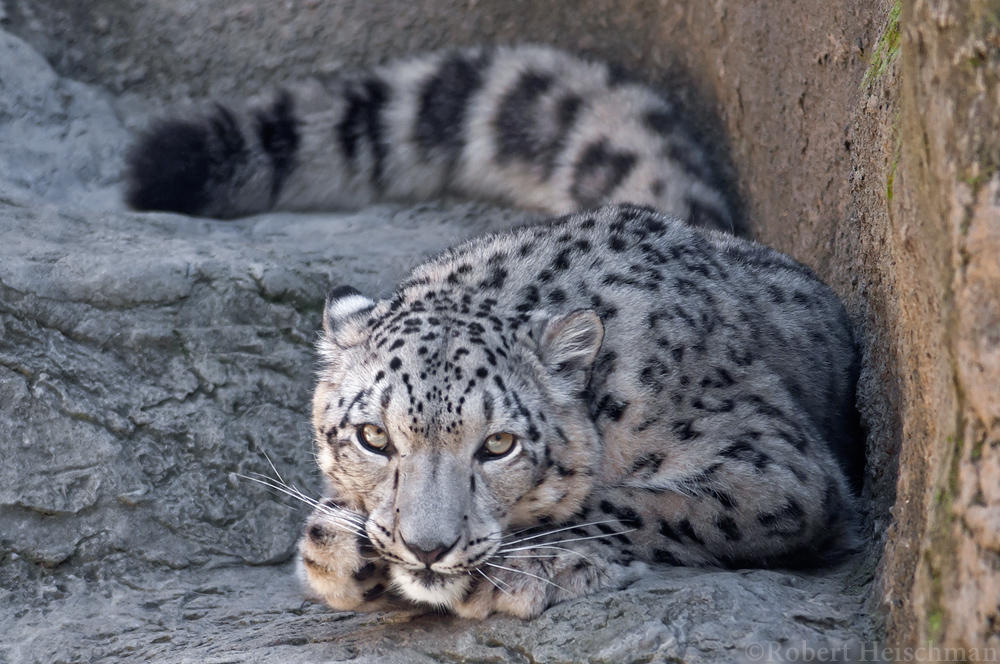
{"x": 531, "y": 126}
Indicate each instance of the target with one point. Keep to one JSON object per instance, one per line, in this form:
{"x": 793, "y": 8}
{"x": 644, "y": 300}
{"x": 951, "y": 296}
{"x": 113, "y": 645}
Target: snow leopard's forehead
{"x": 442, "y": 365}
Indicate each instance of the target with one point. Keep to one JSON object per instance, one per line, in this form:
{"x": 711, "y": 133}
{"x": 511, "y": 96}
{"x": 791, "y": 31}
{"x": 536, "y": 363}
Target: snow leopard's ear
{"x": 342, "y": 304}
{"x": 569, "y": 343}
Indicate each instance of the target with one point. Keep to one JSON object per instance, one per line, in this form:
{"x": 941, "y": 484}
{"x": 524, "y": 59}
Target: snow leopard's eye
{"x": 374, "y": 438}
{"x": 497, "y": 445}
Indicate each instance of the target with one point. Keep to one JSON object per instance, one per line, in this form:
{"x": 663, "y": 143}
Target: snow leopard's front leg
{"x": 533, "y": 571}
{"x": 337, "y": 564}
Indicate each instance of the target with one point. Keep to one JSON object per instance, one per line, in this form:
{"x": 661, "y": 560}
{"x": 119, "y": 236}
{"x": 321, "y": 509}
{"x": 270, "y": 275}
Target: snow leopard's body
{"x": 540, "y": 413}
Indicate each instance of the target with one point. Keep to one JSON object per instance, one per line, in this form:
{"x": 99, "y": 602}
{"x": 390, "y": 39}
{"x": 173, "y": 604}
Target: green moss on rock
{"x": 886, "y": 48}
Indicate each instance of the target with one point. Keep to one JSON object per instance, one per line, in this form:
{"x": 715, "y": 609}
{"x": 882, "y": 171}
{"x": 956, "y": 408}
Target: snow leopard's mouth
{"x": 427, "y": 586}
{"x": 429, "y": 578}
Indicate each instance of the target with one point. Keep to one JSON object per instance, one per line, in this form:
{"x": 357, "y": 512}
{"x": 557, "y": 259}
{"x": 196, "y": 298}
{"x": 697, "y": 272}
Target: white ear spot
{"x": 571, "y": 341}
{"x": 342, "y": 303}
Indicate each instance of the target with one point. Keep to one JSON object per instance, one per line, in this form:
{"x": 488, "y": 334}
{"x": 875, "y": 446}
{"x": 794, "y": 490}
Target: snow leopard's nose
{"x": 430, "y": 556}
{"x": 431, "y": 503}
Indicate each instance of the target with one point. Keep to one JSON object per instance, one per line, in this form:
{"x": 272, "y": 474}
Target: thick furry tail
{"x": 527, "y": 125}
{"x": 222, "y": 164}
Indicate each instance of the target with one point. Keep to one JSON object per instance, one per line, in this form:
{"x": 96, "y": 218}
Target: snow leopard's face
{"x": 451, "y": 428}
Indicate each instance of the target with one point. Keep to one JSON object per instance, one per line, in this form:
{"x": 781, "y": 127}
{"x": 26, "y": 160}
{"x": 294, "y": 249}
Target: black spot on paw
{"x": 374, "y": 592}
{"x": 365, "y": 572}
{"x": 365, "y": 547}
{"x": 311, "y": 563}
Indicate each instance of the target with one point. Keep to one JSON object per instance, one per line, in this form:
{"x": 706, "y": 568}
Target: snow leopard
{"x": 549, "y": 411}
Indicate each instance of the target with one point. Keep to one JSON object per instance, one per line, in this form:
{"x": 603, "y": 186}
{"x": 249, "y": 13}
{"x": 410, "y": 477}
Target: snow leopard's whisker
{"x": 559, "y": 530}
{"x": 341, "y": 520}
{"x": 559, "y": 548}
{"x": 491, "y": 580}
{"x": 283, "y": 487}
{"x": 534, "y": 555}
{"x": 519, "y": 531}
{"x": 566, "y": 541}
{"x": 534, "y": 576}
{"x": 296, "y": 493}
{"x": 275, "y": 470}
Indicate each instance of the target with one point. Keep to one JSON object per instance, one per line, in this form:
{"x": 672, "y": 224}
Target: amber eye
{"x": 497, "y": 445}
{"x": 373, "y": 437}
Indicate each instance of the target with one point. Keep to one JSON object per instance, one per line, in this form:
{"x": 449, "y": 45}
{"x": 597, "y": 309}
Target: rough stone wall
{"x": 917, "y": 254}
{"x": 863, "y": 139}
{"x": 941, "y": 227}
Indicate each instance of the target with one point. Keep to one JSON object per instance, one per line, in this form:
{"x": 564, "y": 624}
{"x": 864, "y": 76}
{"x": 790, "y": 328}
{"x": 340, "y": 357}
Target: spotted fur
{"x": 677, "y": 396}
{"x": 527, "y": 125}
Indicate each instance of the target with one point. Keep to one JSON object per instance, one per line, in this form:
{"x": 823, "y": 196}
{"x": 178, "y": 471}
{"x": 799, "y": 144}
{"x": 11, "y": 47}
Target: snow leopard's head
{"x": 450, "y": 427}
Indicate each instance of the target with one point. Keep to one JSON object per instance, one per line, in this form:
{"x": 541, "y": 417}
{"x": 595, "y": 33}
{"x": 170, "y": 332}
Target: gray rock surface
{"x": 147, "y": 360}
